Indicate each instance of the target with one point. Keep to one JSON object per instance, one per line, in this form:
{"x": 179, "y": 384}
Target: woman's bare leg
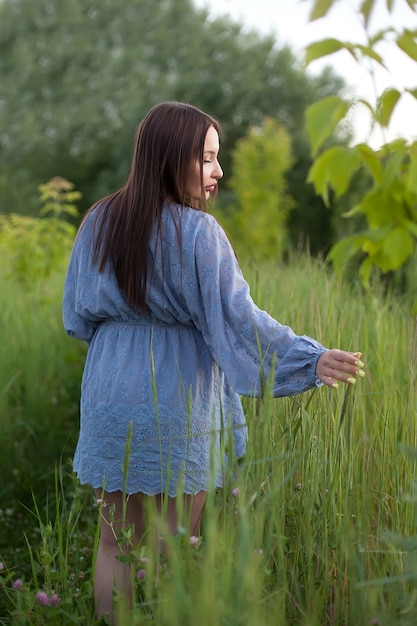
{"x": 192, "y": 512}
{"x": 110, "y": 573}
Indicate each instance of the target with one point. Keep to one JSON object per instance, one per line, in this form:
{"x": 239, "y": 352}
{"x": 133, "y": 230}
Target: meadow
{"x": 315, "y": 527}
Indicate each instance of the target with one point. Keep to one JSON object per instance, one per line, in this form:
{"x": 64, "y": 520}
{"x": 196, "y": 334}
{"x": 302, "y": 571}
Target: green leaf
{"x": 397, "y": 247}
{"x": 378, "y": 207}
{"x": 320, "y": 8}
{"x": 411, "y": 177}
{"x": 322, "y": 117}
{"x": 318, "y": 176}
{"x": 354, "y": 211}
{"x": 371, "y": 160}
{"x": 407, "y": 43}
{"x": 386, "y": 105}
{"x": 413, "y": 92}
{"x": 344, "y": 250}
{"x": 396, "y": 145}
{"x": 392, "y": 168}
{"x": 319, "y": 49}
{"x": 365, "y": 270}
{"x": 368, "y": 105}
{"x": 366, "y": 9}
{"x": 367, "y": 51}
{"x": 411, "y": 227}
{"x": 373, "y": 237}
{"x": 334, "y": 168}
{"x": 388, "y": 246}
{"x": 380, "y": 36}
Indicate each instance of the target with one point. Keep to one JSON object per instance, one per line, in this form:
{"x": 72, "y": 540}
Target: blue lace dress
{"x": 160, "y": 391}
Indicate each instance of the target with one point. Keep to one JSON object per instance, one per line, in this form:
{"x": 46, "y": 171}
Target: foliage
{"x": 315, "y": 526}
{"x": 33, "y": 247}
{"x": 37, "y": 364}
{"x": 46, "y": 590}
{"x": 389, "y": 204}
{"x": 258, "y": 223}
{"x": 77, "y": 76}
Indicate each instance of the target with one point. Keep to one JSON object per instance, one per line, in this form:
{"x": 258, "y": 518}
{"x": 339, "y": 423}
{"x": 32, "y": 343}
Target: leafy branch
{"x": 390, "y": 203}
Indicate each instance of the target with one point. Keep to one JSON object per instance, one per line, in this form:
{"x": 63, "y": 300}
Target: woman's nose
{"x": 219, "y": 172}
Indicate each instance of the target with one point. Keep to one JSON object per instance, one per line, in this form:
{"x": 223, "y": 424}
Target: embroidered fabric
{"x": 153, "y": 455}
{"x": 172, "y": 377}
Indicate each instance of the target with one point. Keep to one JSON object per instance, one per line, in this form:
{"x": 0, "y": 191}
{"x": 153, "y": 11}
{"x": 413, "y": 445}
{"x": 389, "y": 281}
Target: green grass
{"x": 39, "y": 386}
{"x": 322, "y": 531}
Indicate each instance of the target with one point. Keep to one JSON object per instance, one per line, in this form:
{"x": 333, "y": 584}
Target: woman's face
{"x": 210, "y": 167}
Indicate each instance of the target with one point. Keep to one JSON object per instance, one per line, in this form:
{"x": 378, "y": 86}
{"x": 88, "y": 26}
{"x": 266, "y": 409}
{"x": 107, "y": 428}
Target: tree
{"x": 258, "y": 224}
{"x": 389, "y": 204}
{"x": 77, "y": 76}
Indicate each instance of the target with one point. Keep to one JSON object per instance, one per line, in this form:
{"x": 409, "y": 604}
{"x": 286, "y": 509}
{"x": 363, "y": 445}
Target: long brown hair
{"x": 169, "y": 140}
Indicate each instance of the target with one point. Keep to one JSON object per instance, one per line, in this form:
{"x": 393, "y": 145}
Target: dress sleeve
{"x": 76, "y": 322}
{"x": 247, "y": 343}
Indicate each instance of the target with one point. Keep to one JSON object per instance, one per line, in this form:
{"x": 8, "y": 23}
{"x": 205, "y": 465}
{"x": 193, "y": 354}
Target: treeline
{"x": 77, "y": 76}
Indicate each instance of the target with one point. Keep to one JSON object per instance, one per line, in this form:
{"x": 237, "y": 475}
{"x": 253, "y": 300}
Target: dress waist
{"x": 144, "y": 322}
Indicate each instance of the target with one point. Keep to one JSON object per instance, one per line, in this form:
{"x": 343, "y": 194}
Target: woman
{"x": 154, "y": 288}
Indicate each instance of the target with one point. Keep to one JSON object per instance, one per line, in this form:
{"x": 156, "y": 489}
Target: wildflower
{"x": 2, "y": 566}
{"x": 193, "y": 540}
{"x": 42, "y": 598}
{"x": 18, "y": 584}
{"x": 141, "y": 574}
{"x": 236, "y": 492}
{"x": 100, "y": 501}
{"x": 143, "y": 559}
{"x": 54, "y": 600}
{"x": 298, "y": 486}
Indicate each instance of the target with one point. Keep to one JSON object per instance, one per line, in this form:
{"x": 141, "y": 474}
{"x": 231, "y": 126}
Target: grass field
{"x": 316, "y": 526}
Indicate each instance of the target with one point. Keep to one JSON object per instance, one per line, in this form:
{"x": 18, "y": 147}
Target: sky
{"x": 288, "y": 21}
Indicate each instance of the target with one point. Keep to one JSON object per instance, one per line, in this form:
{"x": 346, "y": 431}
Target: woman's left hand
{"x": 336, "y": 366}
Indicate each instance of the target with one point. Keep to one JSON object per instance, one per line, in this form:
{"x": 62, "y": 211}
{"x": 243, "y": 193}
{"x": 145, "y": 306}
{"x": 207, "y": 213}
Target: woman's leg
{"x": 110, "y": 573}
{"x": 191, "y": 514}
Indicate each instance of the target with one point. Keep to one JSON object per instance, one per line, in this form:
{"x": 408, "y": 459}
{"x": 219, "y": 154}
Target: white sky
{"x": 288, "y": 21}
